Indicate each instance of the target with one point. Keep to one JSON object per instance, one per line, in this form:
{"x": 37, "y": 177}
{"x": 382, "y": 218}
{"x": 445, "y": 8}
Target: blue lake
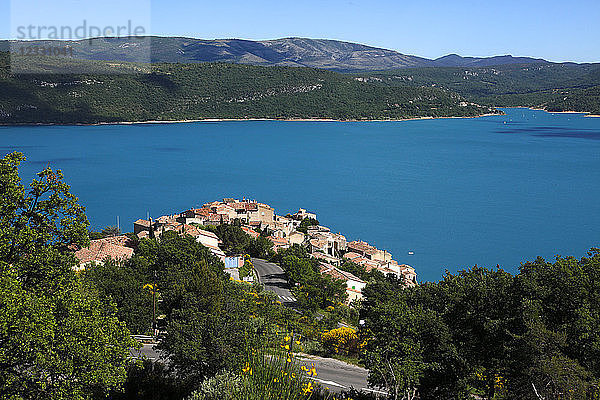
{"x": 456, "y": 192}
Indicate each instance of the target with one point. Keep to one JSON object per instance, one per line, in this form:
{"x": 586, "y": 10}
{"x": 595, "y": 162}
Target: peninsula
{"x": 332, "y": 252}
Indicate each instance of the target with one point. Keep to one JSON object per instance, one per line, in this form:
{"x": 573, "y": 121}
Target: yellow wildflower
{"x": 247, "y": 369}
{"x": 307, "y": 388}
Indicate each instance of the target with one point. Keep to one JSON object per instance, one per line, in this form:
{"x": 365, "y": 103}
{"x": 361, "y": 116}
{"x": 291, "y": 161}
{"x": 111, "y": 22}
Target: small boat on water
{"x": 411, "y": 253}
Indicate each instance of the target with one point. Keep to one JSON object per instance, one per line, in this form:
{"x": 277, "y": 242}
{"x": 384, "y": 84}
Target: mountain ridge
{"x": 326, "y": 54}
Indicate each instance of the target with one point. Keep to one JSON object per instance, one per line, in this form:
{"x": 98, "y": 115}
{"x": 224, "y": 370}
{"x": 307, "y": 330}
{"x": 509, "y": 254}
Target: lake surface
{"x": 456, "y": 192}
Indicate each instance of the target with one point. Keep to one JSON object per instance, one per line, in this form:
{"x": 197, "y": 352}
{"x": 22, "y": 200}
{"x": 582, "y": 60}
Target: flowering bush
{"x": 342, "y": 340}
{"x": 270, "y": 374}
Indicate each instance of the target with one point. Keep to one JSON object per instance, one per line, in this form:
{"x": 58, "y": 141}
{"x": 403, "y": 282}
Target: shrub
{"x": 342, "y": 340}
{"x": 275, "y": 374}
{"x": 224, "y": 386}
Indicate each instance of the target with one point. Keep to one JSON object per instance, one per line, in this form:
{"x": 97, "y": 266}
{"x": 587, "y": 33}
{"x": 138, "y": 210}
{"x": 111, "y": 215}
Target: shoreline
{"x": 187, "y": 121}
{"x": 587, "y": 114}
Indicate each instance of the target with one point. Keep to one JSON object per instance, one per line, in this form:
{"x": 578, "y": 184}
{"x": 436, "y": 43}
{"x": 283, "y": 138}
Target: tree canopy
{"x": 486, "y": 332}
{"x": 57, "y": 338}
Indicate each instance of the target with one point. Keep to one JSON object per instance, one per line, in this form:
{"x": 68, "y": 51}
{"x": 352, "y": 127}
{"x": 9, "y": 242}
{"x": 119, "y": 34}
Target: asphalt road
{"x": 336, "y": 375}
{"x": 148, "y": 352}
{"x": 333, "y": 374}
{"x": 273, "y": 278}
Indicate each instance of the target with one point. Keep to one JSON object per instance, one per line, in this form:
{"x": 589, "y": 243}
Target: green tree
{"x": 205, "y": 319}
{"x": 567, "y": 293}
{"x": 299, "y": 270}
{"x": 409, "y": 349}
{"x": 479, "y": 307}
{"x": 361, "y": 272}
{"x": 261, "y": 247}
{"x": 539, "y": 367}
{"x": 57, "y": 339}
{"x": 313, "y": 290}
{"x": 118, "y": 282}
{"x": 305, "y": 223}
{"x": 235, "y": 240}
{"x": 485, "y": 332}
{"x": 150, "y": 381}
{"x": 111, "y": 231}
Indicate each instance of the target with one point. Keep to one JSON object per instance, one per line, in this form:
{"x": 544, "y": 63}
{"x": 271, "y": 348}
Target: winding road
{"x": 333, "y": 374}
{"x": 272, "y": 277}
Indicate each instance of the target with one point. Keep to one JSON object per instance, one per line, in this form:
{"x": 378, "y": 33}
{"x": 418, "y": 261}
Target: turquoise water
{"x": 456, "y": 192}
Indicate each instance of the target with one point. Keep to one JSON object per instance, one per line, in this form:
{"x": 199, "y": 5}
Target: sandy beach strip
{"x": 187, "y": 121}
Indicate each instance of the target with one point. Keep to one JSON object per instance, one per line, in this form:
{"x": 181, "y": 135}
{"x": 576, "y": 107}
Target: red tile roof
{"x": 218, "y": 217}
{"x": 100, "y": 249}
{"x": 207, "y": 233}
{"x": 250, "y": 232}
{"x": 190, "y": 230}
{"x": 351, "y": 255}
{"x": 319, "y": 244}
{"x": 279, "y": 241}
{"x": 323, "y": 256}
{"x": 362, "y": 247}
{"x": 121, "y": 240}
{"x": 337, "y": 273}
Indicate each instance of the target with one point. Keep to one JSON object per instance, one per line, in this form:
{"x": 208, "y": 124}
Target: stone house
{"x": 296, "y": 237}
{"x": 114, "y": 248}
{"x": 354, "y": 285}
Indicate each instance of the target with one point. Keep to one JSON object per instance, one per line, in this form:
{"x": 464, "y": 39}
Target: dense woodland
{"x": 132, "y": 92}
{"x": 489, "y": 333}
{"x": 555, "y": 87}
{"x": 120, "y": 91}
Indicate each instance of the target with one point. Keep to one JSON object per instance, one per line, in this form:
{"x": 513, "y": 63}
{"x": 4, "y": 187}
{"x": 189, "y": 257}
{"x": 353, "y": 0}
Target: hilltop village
{"x": 255, "y": 219}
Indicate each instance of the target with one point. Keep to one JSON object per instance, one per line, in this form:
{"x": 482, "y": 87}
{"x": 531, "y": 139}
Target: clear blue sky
{"x": 551, "y": 29}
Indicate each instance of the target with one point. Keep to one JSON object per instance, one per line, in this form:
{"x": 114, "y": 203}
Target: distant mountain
{"x": 297, "y": 52}
{"x": 336, "y": 55}
{"x": 454, "y": 60}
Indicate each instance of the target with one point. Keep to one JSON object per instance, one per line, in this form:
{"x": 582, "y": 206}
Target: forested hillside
{"x": 585, "y": 100}
{"x": 556, "y": 87}
{"x": 210, "y": 90}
